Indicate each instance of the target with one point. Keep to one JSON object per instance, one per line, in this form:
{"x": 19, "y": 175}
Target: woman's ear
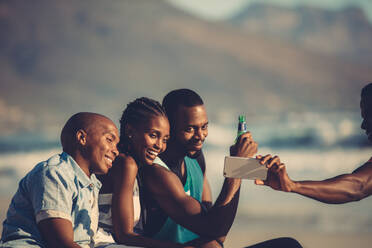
{"x": 129, "y": 130}
{"x": 81, "y": 137}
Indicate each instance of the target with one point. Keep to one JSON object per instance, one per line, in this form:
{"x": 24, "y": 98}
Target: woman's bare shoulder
{"x": 124, "y": 161}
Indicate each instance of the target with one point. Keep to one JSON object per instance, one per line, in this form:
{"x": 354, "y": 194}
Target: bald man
{"x": 56, "y": 202}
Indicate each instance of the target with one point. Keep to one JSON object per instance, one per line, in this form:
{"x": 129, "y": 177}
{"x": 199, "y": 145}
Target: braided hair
{"x": 140, "y": 110}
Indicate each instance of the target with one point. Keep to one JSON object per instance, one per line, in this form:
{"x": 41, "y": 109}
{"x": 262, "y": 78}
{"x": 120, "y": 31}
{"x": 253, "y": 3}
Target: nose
{"x": 115, "y": 151}
{"x": 200, "y": 134}
{"x": 158, "y": 144}
{"x": 161, "y": 145}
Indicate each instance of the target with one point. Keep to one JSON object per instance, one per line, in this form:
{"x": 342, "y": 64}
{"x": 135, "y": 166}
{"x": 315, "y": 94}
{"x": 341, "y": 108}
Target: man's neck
{"x": 80, "y": 160}
{"x": 173, "y": 156}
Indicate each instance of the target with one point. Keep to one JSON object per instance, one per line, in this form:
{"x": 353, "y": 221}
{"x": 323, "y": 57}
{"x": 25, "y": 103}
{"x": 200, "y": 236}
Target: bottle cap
{"x": 241, "y": 118}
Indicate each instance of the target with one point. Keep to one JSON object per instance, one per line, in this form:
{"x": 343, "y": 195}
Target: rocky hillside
{"x": 61, "y": 57}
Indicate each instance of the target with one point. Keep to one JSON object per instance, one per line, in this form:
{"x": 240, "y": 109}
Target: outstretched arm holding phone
{"x": 340, "y": 189}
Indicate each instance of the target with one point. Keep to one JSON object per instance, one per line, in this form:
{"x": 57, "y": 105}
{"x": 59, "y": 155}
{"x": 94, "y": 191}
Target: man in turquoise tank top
{"x": 176, "y": 191}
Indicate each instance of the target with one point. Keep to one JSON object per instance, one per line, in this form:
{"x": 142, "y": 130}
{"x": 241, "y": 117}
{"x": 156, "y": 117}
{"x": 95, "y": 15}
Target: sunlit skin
{"x": 189, "y": 133}
{"x": 191, "y": 128}
{"x": 99, "y": 147}
{"x": 149, "y": 139}
{"x": 340, "y": 189}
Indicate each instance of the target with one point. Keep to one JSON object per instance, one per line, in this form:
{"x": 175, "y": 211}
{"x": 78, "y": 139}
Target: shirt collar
{"x": 84, "y": 180}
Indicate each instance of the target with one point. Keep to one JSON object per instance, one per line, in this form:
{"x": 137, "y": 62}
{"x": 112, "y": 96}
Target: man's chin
{"x": 193, "y": 154}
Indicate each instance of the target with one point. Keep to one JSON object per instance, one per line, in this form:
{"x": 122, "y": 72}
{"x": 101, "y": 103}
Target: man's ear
{"x": 81, "y": 137}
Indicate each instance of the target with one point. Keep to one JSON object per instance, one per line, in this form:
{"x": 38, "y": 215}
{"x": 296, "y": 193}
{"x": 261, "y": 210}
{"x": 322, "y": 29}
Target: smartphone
{"x": 244, "y": 168}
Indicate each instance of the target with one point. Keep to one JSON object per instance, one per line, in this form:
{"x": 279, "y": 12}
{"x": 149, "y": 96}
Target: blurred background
{"x": 294, "y": 68}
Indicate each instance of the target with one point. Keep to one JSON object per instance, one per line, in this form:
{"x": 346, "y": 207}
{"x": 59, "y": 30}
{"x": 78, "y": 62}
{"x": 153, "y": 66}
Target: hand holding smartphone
{"x": 244, "y": 168}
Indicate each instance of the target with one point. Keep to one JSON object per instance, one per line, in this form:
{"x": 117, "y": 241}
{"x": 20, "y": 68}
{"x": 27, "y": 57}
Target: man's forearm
{"x": 229, "y": 189}
{"x": 222, "y": 214}
{"x": 341, "y": 189}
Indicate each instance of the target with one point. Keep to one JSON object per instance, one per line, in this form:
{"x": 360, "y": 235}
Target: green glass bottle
{"x": 242, "y": 126}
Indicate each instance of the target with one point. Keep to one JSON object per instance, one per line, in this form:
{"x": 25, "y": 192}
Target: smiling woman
{"x": 149, "y": 139}
{"x": 144, "y": 132}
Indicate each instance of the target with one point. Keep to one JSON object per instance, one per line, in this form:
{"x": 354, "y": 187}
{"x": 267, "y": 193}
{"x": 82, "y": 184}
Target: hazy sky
{"x": 219, "y": 9}
{"x": 102, "y": 56}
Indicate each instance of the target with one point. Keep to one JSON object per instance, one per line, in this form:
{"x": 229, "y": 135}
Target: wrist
{"x": 294, "y": 186}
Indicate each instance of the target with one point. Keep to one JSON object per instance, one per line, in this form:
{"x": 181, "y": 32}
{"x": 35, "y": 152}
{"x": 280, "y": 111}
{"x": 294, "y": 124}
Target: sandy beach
{"x": 241, "y": 236}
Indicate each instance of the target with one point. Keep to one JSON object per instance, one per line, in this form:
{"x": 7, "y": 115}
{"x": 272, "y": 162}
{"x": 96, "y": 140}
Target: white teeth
{"x": 110, "y": 160}
{"x": 153, "y": 153}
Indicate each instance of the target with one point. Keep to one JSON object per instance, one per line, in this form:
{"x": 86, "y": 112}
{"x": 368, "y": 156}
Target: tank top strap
{"x": 195, "y": 178}
{"x": 160, "y": 162}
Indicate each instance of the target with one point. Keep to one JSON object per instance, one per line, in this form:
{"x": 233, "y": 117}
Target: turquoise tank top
{"x": 171, "y": 231}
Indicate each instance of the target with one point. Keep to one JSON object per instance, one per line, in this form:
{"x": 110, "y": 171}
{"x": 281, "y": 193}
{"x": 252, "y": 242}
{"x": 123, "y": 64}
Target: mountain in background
{"x": 61, "y": 57}
{"x": 344, "y": 33}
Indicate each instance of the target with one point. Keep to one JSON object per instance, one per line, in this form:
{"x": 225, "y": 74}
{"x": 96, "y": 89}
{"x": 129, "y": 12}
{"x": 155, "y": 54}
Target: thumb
{"x": 259, "y": 182}
{"x": 282, "y": 171}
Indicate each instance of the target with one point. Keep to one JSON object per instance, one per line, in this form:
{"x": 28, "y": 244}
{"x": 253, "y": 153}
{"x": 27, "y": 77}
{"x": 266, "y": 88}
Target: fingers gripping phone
{"x": 244, "y": 168}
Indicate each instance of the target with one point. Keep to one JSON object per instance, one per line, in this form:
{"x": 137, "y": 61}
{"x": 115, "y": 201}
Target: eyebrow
{"x": 198, "y": 125}
{"x": 155, "y": 130}
{"x": 110, "y": 133}
{"x": 151, "y": 130}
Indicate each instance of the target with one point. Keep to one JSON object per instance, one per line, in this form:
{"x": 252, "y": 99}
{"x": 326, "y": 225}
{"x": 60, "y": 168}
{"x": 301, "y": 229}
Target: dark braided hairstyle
{"x": 139, "y": 111}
